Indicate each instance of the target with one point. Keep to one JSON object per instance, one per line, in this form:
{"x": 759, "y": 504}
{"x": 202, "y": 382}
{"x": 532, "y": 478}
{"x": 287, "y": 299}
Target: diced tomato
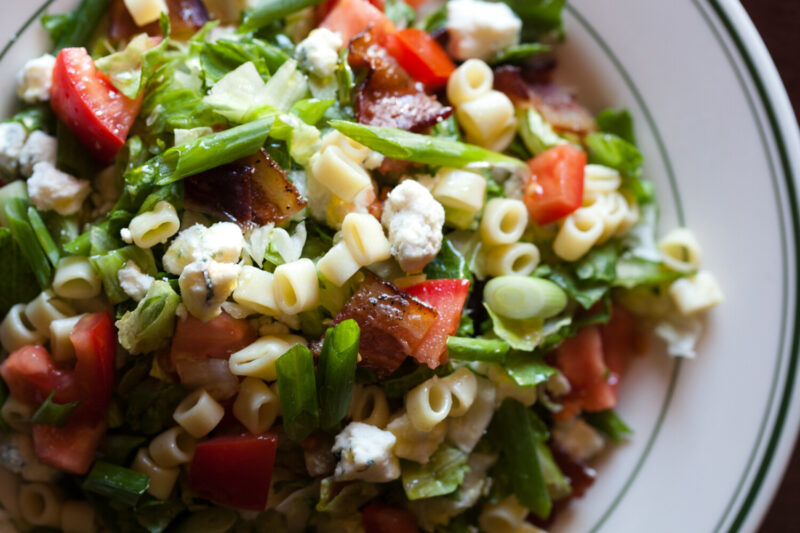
{"x": 216, "y": 339}
{"x": 351, "y": 17}
{"x": 555, "y": 188}
{"x": 234, "y": 471}
{"x": 448, "y": 297}
{"x": 416, "y": 3}
{"x": 380, "y": 518}
{"x": 84, "y": 98}
{"x": 95, "y": 350}
{"x": 322, "y": 10}
{"x": 582, "y": 362}
{"x": 421, "y": 56}
{"x": 31, "y": 376}
{"x": 70, "y": 448}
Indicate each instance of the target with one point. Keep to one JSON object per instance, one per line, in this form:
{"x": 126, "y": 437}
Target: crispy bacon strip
{"x": 252, "y": 191}
{"x": 389, "y": 97}
{"x": 392, "y": 324}
{"x": 185, "y": 18}
{"x": 556, "y": 105}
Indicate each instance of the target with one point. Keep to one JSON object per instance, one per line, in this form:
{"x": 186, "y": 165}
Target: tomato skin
{"x": 421, "y": 56}
{"x": 380, "y": 518}
{"x": 31, "y": 376}
{"x": 350, "y": 17}
{"x": 95, "y": 350}
{"x": 582, "y": 361}
{"x": 322, "y": 10}
{"x": 555, "y": 188}
{"x": 86, "y": 101}
{"x": 235, "y": 471}
{"x": 448, "y": 297}
{"x": 215, "y": 339}
{"x": 70, "y": 448}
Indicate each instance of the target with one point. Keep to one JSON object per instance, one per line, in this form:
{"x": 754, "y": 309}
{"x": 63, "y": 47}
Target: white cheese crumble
{"x": 39, "y": 148}
{"x": 481, "y": 29}
{"x": 222, "y": 242}
{"x": 17, "y": 455}
{"x": 365, "y": 452}
{"x": 49, "y": 188}
{"x": 12, "y": 140}
{"x": 133, "y": 281}
{"x": 319, "y": 52}
{"x": 414, "y": 222}
{"x": 205, "y": 285}
{"x": 35, "y": 79}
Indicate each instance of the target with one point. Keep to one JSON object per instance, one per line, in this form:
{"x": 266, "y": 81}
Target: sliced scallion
{"x": 467, "y": 349}
{"x": 298, "y": 392}
{"x": 336, "y": 373}
{"x": 43, "y": 236}
{"x": 269, "y": 11}
{"x": 120, "y": 484}
{"x": 52, "y": 413}
{"x": 521, "y": 297}
{"x": 17, "y": 217}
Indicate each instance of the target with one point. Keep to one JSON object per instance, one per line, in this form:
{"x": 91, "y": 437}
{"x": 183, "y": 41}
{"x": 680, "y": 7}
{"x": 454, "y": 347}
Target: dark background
{"x": 778, "y": 22}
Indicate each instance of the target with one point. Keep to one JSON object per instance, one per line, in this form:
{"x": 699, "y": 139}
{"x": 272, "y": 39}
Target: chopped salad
{"x": 319, "y": 265}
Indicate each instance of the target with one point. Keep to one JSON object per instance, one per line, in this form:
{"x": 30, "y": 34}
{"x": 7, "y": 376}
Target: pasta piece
{"x": 25, "y": 457}
{"x": 17, "y": 414}
{"x": 78, "y": 517}
{"x": 61, "y": 347}
{"x": 16, "y": 331}
{"x": 489, "y": 120}
{"x": 615, "y": 213}
{"x": 343, "y": 177}
{"x": 463, "y": 388}
{"x": 255, "y": 290}
{"x": 156, "y": 226}
{"x": 695, "y": 294}
{"x": 680, "y": 250}
{"x": 356, "y": 152}
{"x": 40, "y": 505}
{"x": 428, "y": 404}
{"x": 174, "y": 447}
{"x": 467, "y": 430}
{"x": 520, "y": 258}
{"x": 369, "y": 405}
{"x": 599, "y": 180}
{"x": 10, "y": 483}
{"x": 580, "y": 231}
{"x": 473, "y": 79}
{"x": 412, "y": 443}
{"x": 460, "y": 189}
{"x": 631, "y": 214}
{"x": 76, "y": 279}
{"x": 162, "y": 480}
{"x": 258, "y": 359}
{"x": 338, "y": 265}
{"x": 256, "y": 406}
{"x": 363, "y": 235}
{"x": 504, "y": 221}
{"x": 198, "y": 413}
{"x": 296, "y": 287}
{"x": 46, "y": 308}
{"x": 505, "y": 516}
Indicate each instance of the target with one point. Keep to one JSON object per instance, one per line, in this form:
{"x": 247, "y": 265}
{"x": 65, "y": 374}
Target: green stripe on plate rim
{"x": 788, "y": 390}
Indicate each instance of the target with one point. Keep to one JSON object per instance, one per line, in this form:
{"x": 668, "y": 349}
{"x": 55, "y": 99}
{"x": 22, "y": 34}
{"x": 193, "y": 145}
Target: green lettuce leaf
{"x": 610, "y": 424}
{"x": 620, "y": 123}
{"x": 525, "y": 334}
{"x": 441, "y": 475}
{"x": 540, "y": 18}
{"x": 344, "y": 498}
{"x": 448, "y": 264}
{"x": 230, "y": 52}
{"x": 527, "y": 369}
{"x": 536, "y": 133}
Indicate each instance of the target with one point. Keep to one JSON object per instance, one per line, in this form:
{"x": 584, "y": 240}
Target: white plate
{"x": 713, "y": 435}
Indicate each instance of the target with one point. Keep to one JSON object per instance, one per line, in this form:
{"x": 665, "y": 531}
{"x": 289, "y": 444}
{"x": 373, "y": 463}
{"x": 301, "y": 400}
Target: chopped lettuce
{"x": 541, "y": 18}
{"x": 344, "y": 498}
{"x": 525, "y": 334}
{"x": 225, "y": 55}
{"x": 620, "y": 123}
{"x": 129, "y": 68}
{"x": 527, "y": 369}
{"x": 150, "y": 325}
{"x": 108, "y": 265}
{"x": 558, "y": 485}
{"x": 536, "y": 133}
{"x": 441, "y": 475}
{"x": 448, "y": 264}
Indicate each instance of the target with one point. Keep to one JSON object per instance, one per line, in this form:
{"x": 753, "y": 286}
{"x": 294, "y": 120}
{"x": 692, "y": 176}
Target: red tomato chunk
{"x": 90, "y": 105}
{"x": 555, "y": 188}
{"x": 448, "y": 297}
{"x": 234, "y": 471}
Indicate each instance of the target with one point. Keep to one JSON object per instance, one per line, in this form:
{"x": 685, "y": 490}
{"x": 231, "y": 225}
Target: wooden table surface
{"x": 778, "y": 21}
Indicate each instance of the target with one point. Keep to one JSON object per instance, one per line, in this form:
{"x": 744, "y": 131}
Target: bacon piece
{"x": 556, "y": 105}
{"x": 185, "y": 18}
{"x": 253, "y": 190}
{"x": 389, "y": 97}
{"x": 392, "y": 323}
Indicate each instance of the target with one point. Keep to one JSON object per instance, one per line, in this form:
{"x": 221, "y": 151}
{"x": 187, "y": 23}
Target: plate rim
{"x": 781, "y": 121}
